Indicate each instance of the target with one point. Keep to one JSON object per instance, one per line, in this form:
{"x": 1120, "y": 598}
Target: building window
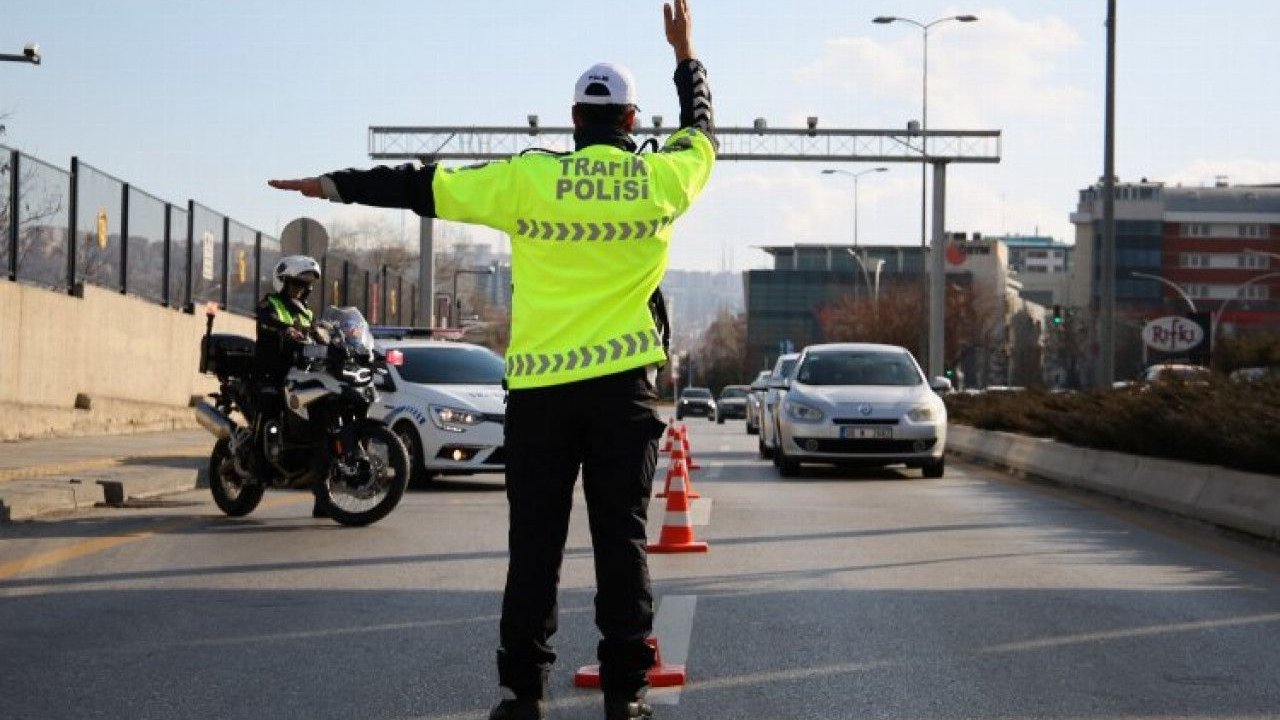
{"x": 1195, "y": 230}
{"x": 1253, "y": 231}
{"x": 1253, "y": 261}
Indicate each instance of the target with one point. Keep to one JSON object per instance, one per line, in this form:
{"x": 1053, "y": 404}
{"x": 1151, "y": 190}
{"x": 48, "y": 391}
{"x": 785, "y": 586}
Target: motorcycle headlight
{"x": 454, "y": 419}
{"x": 924, "y": 413}
{"x": 797, "y": 411}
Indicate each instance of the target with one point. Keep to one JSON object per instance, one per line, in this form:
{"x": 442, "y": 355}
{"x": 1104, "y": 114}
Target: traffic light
{"x": 1057, "y": 314}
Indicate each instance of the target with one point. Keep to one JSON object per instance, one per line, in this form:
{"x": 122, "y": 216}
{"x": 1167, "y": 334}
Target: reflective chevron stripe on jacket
{"x": 624, "y": 346}
{"x": 535, "y": 229}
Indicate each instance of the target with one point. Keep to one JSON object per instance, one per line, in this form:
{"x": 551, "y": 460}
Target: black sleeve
{"x": 695, "y": 98}
{"x": 406, "y": 186}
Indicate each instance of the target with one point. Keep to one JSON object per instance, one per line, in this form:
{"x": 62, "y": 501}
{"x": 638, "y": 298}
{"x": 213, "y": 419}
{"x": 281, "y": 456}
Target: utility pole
{"x": 1107, "y": 343}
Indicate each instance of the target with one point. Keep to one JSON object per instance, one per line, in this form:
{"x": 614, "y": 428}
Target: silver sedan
{"x": 861, "y": 404}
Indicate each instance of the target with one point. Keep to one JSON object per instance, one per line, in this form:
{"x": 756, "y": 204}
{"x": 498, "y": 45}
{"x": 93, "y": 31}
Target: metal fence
{"x": 63, "y": 230}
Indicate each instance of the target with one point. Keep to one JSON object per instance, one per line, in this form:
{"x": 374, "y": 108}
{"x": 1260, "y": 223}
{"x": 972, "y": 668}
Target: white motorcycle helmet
{"x": 298, "y": 268}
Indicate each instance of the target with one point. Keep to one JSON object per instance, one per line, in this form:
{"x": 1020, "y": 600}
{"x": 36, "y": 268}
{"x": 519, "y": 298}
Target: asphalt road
{"x": 857, "y": 594}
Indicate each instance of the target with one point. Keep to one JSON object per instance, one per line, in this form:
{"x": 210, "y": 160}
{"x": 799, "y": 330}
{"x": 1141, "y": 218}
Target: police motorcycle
{"x": 323, "y": 434}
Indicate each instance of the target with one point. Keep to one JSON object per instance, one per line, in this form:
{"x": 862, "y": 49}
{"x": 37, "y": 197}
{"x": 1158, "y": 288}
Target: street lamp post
{"x": 1176, "y": 287}
{"x": 453, "y": 305}
{"x": 855, "y": 176}
{"x": 934, "y": 334}
{"x": 30, "y": 54}
{"x": 1215, "y": 318}
{"x": 866, "y": 276}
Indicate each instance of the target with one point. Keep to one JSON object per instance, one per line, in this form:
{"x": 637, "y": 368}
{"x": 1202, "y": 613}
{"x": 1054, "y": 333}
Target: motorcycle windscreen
{"x": 352, "y": 327}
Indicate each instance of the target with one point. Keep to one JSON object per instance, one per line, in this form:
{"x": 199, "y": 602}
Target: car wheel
{"x": 786, "y": 466}
{"x": 413, "y": 446}
{"x": 934, "y": 469}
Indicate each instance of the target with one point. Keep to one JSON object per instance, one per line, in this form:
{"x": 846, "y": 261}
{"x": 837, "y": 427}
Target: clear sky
{"x": 207, "y": 100}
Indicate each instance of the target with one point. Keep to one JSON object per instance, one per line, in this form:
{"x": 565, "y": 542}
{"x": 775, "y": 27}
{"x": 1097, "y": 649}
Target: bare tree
{"x": 721, "y": 357}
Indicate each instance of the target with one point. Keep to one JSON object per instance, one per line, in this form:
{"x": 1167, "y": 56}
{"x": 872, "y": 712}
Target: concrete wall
{"x": 133, "y": 358}
{"x": 1246, "y": 502}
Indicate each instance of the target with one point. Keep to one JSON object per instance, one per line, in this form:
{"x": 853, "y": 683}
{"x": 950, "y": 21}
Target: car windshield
{"x": 784, "y": 370}
{"x": 696, "y": 393}
{"x": 858, "y": 367}
{"x": 761, "y": 382}
{"x": 735, "y": 391}
{"x": 451, "y": 365}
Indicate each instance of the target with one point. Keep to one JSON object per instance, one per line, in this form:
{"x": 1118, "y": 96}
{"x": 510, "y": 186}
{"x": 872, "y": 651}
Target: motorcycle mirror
{"x": 395, "y": 357}
{"x": 210, "y": 309}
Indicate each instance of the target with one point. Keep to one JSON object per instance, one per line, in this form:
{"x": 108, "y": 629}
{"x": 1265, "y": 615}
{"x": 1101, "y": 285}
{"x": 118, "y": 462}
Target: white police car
{"x": 446, "y": 403}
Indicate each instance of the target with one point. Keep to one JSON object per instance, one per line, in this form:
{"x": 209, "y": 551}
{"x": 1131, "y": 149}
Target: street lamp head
{"x": 829, "y": 171}
{"x": 967, "y": 18}
{"x": 880, "y": 169}
{"x": 32, "y": 52}
{"x": 884, "y": 19}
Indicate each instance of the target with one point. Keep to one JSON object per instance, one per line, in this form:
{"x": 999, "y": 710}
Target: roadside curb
{"x": 113, "y": 486}
{"x": 1241, "y": 501}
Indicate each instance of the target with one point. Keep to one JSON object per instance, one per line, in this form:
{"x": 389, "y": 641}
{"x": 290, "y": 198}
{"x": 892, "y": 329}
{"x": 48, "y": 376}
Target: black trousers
{"x": 608, "y": 428}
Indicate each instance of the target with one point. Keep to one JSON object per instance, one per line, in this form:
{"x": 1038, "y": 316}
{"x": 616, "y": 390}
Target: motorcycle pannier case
{"x": 230, "y": 355}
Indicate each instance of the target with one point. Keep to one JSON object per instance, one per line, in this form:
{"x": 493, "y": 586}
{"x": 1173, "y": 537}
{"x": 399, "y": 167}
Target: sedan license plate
{"x": 866, "y": 433}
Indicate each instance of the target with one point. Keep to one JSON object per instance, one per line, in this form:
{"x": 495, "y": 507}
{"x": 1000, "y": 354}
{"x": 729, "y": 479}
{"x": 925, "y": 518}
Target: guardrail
{"x": 63, "y": 229}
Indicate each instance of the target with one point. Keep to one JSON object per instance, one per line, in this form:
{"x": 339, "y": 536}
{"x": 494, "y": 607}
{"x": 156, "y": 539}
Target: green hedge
{"x": 1219, "y": 422}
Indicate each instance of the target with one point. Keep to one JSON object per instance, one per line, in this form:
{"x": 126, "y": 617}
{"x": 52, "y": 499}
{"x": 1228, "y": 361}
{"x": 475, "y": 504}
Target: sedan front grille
{"x": 868, "y": 446}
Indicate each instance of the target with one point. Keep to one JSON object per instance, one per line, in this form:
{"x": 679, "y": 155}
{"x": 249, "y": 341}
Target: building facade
{"x": 1209, "y": 249}
{"x": 783, "y": 304}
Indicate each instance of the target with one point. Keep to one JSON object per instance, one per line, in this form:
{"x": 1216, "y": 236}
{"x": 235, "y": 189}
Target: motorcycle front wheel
{"x": 234, "y": 495}
{"x": 367, "y": 482}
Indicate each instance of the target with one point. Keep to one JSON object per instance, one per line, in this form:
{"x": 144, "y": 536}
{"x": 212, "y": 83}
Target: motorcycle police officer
{"x": 285, "y": 322}
{"x": 590, "y": 232}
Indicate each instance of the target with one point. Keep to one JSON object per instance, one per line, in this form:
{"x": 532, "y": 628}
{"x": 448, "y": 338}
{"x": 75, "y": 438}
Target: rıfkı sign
{"x": 1172, "y": 334}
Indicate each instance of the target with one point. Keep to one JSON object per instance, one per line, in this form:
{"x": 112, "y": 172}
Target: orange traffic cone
{"x": 684, "y": 442}
{"x": 678, "y": 465}
{"x": 677, "y": 525}
{"x": 588, "y": 676}
{"x": 671, "y": 435}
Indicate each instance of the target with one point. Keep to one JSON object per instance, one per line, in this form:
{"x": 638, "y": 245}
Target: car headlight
{"x": 924, "y": 413}
{"x": 453, "y": 419}
{"x": 802, "y": 412}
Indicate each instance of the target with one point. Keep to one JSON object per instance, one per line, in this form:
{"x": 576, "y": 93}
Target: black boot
{"x": 627, "y": 709}
{"x": 519, "y": 710}
{"x": 320, "y": 509}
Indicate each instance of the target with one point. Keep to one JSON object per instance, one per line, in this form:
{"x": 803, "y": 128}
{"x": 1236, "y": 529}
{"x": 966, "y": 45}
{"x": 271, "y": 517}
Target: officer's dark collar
{"x": 600, "y": 135}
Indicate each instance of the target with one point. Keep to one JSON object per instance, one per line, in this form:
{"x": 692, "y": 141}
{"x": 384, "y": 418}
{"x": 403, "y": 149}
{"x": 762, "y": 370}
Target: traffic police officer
{"x": 285, "y": 322}
{"x": 590, "y": 232}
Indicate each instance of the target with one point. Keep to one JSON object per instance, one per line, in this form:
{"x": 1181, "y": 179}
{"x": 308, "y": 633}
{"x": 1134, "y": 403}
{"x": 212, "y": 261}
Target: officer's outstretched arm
{"x": 406, "y": 186}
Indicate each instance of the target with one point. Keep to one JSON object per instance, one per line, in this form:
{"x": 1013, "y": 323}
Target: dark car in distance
{"x": 732, "y": 403}
{"x": 696, "y": 401}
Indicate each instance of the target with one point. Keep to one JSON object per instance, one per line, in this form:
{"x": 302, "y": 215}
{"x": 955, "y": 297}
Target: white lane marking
{"x": 673, "y": 625}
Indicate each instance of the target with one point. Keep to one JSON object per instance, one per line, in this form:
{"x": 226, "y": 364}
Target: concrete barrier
{"x": 1247, "y": 502}
{"x": 32, "y": 498}
{"x": 135, "y": 360}
{"x": 1242, "y": 500}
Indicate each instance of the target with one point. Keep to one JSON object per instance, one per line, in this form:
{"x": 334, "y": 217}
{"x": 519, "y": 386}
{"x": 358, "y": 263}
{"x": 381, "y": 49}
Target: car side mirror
{"x": 382, "y": 379}
{"x": 940, "y": 385}
{"x": 781, "y": 384}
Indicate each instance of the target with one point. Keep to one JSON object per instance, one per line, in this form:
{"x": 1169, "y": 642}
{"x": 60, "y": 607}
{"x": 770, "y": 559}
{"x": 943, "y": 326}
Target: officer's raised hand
{"x": 679, "y": 28}
{"x": 307, "y": 186}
